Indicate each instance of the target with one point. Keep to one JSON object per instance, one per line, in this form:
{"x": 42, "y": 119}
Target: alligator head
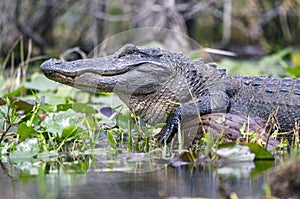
{"x": 131, "y": 70}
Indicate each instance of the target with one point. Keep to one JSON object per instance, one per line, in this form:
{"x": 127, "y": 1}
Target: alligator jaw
{"x": 82, "y": 76}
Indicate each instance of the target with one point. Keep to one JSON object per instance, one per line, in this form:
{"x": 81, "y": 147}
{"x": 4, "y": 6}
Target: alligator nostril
{"x": 46, "y": 66}
{"x": 53, "y": 61}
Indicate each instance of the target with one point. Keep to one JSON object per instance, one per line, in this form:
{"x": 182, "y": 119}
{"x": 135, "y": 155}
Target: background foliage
{"x": 57, "y": 25}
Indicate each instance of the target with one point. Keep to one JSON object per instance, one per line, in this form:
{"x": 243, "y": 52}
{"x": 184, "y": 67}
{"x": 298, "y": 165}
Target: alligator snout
{"x": 47, "y": 66}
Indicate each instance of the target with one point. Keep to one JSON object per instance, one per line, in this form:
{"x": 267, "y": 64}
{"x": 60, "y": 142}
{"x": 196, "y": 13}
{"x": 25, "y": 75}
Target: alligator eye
{"x": 130, "y": 50}
{"x": 127, "y": 49}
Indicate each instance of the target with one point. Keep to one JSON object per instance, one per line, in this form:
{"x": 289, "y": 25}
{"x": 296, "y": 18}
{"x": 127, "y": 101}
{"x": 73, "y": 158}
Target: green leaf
{"x": 78, "y": 107}
{"x": 261, "y": 166}
{"x": 123, "y": 120}
{"x": 25, "y": 131}
{"x": 63, "y": 107}
{"x": 111, "y": 139}
{"x": 22, "y": 105}
{"x": 90, "y": 123}
{"x": 46, "y": 107}
{"x": 18, "y": 104}
{"x": 294, "y": 71}
{"x": 296, "y": 59}
{"x": 260, "y": 152}
{"x": 272, "y": 60}
{"x": 14, "y": 92}
{"x": 68, "y": 131}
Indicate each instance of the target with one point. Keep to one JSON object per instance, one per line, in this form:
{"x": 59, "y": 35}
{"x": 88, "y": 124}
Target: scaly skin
{"x": 163, "y": 86}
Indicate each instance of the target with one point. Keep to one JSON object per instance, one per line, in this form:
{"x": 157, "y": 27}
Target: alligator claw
{"x": 171, "y": 129}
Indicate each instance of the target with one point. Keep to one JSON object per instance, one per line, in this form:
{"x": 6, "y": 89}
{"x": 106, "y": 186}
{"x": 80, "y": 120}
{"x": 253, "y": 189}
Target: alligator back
{"x": 266, "y": 96}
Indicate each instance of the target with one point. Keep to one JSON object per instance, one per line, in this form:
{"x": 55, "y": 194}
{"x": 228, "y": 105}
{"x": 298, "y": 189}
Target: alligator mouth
{"x": 87, "y": 78}
{"x": 60, "y": 77}
{"x": 88, "y": 75}
{"x": 86, "y": 81}
{"x": 79, "y": 67}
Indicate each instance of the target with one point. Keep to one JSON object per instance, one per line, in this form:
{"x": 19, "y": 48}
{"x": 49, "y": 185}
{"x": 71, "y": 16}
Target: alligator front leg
{"x": 187, "y": 112}
{"x": 170, "y": 130}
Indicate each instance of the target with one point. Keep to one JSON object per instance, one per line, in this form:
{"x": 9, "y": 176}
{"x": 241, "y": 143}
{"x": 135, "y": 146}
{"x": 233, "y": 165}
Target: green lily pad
{"x": 57, "y": 122}
{"x": 260, "y": 152}
{"x": 25, "y": 151}
{"x": 41, "y": 83}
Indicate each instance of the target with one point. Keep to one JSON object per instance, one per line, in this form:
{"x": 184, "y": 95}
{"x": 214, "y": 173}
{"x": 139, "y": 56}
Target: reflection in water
{"x": 89, "y": 179}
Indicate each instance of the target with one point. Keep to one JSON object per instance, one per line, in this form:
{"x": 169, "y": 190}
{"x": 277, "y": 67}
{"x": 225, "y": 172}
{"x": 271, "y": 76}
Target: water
{"x": 94, "y": 177}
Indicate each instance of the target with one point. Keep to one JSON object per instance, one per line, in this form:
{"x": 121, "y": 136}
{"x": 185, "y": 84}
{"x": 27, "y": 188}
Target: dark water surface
{"x": 97, "y": 179}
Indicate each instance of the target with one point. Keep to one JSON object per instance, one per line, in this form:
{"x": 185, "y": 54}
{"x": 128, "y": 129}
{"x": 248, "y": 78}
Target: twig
{"x": 5, "y": 170}
{"x": 71, "y": 50}
{"x": 5, "y": 132}
{"x": 7, "y": 129}
{"x": 112, "y": 18}
{"x": 197, "y": 8}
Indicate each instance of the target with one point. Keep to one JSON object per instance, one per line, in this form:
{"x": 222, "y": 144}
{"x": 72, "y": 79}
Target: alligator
{"x": 161, "y": 86}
